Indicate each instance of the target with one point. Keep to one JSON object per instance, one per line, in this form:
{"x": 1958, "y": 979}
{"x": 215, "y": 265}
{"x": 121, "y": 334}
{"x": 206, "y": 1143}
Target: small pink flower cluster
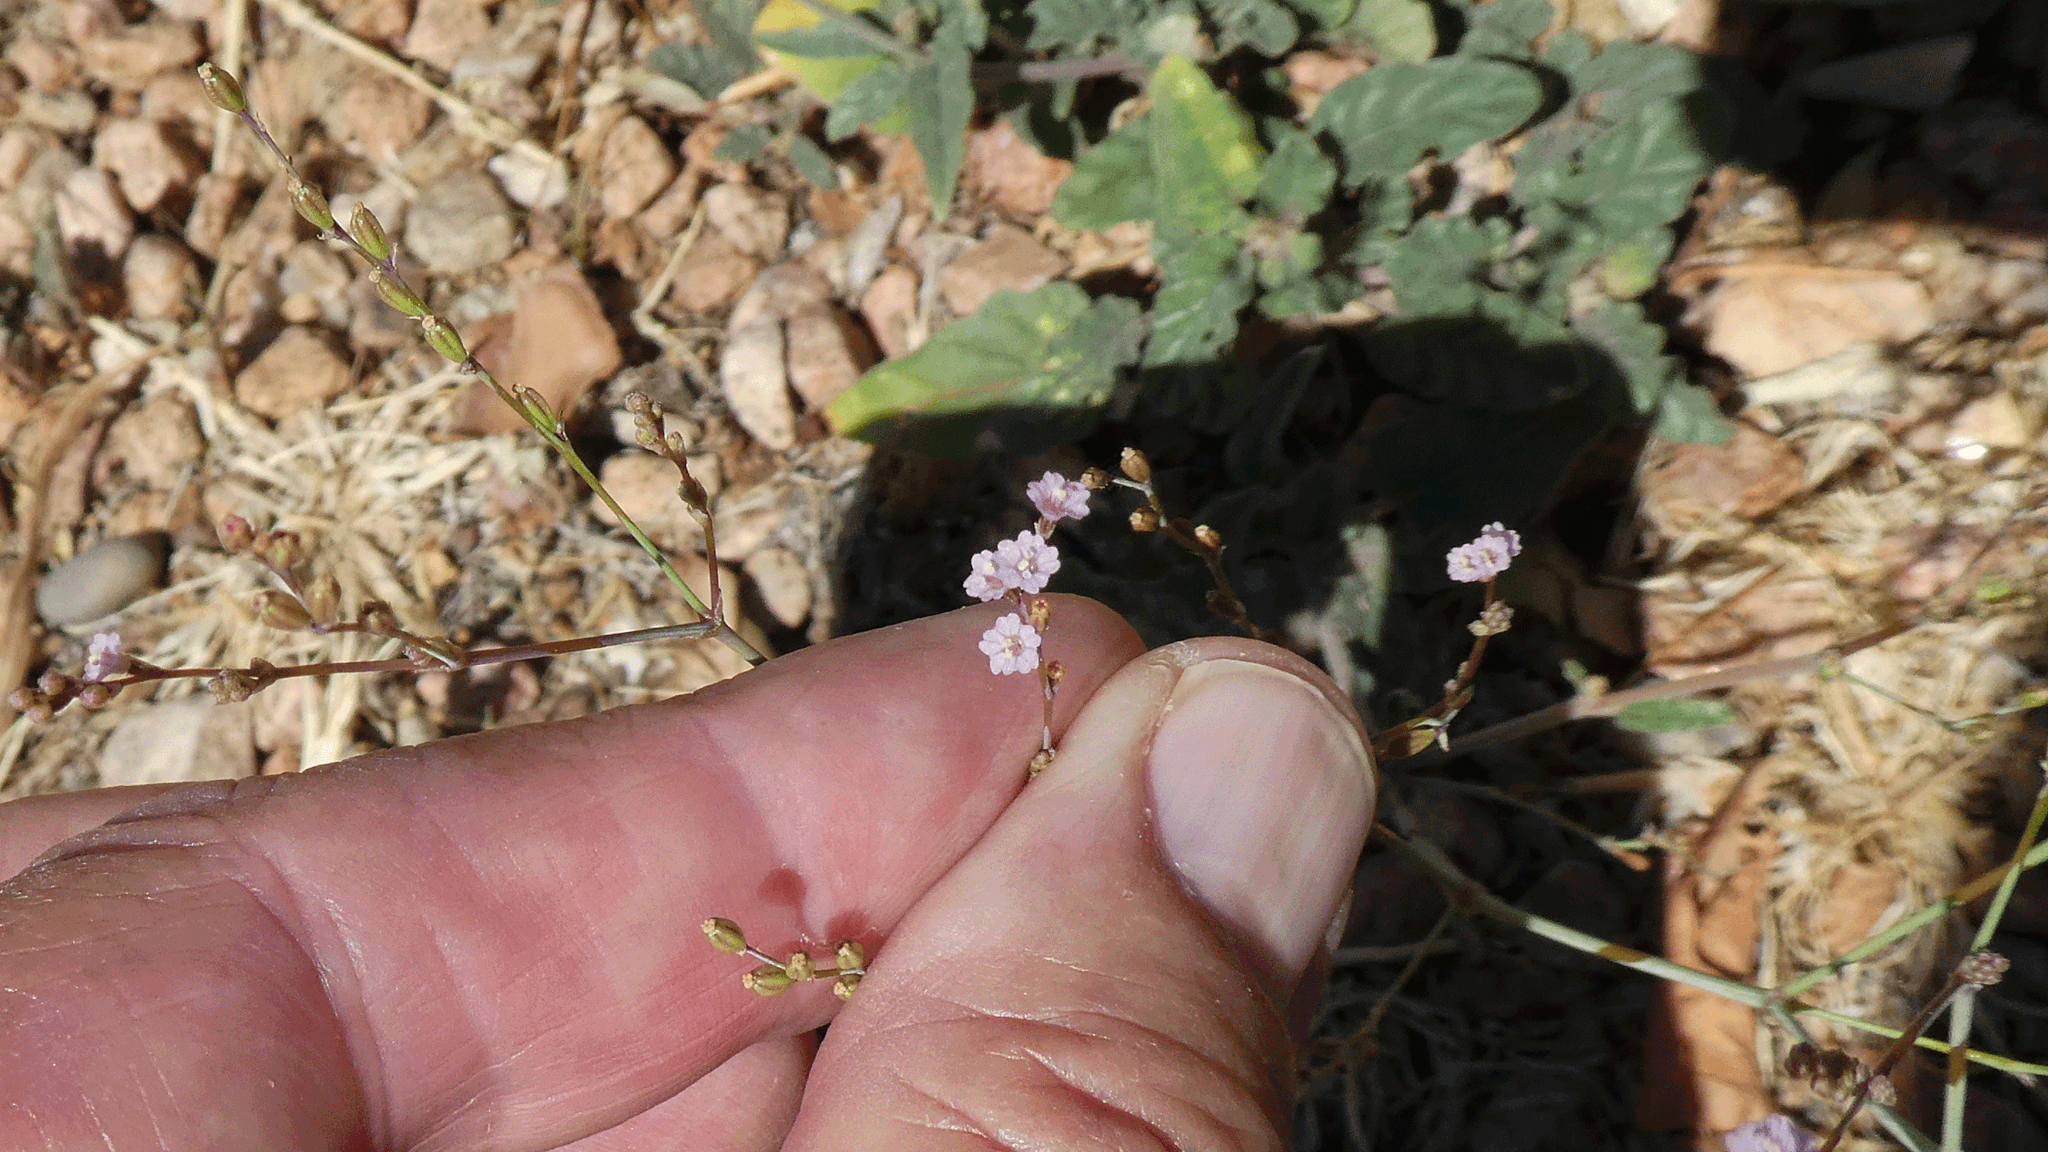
{"x": 1486, "y": 557}
{"x": 1022, "y": 567}
{"x": 103, "y": 658}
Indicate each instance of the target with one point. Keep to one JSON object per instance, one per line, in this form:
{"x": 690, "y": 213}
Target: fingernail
{"x": 1262, "y": 795}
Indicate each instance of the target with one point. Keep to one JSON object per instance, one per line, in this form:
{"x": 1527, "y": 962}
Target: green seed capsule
{"x": 441, "y": 338}
{"x": 222, "y": 88}
{"x": 363, "y": 225}
{"x": 724, "y": 935}
{"x": 312, "y": 205}
{"x": 767, "y": 980}
{"x": 395, "y": 293}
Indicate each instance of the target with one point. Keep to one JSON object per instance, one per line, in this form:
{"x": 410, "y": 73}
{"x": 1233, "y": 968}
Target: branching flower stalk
{"x": 366, "y": 236}
{"x": 1204, "y": 542}
{"x": 1481, "y": 561}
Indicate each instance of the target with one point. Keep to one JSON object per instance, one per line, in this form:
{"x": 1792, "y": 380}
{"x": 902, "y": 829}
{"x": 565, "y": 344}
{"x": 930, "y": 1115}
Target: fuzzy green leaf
{"x": 1636, "y": 348}
{"x": 1111, "y": 183}
{"x": 811, "y": 162}
{"x": 1690, "y": 414}
{"x": 1673, "y": 715}
{"x": 1204, "y": 152}
{"x": 939, "y": 97}
{"x": 828, "y": 40}
{"x": 1630, "y": 74}
{"x": 1202, "y": 289}
{"x": 868, "y": 98}
{"x": 1297, "y": 178}
{"x": 1261, "y": 25}
{"x": 1325, "y": 14}
{"x": 1386, "y": 118}
{"x": 1505, "y": 28}
{"x": 1640, "y": 175}
{"x": 743, "y": 143}
{"x": 1032, "y": 361}
{"x": 1395, "y": 30}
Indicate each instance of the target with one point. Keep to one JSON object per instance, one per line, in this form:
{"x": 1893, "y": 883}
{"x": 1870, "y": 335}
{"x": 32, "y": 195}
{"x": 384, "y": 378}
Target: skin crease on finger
{"x": 491, "y": 942}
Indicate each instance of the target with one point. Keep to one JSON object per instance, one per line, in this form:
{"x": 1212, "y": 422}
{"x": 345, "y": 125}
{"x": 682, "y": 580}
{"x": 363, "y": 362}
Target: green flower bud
{"x": 441, "y": 338}
{"x": 280, "y": 611}
{"x": 312, "y": 205}
{"x": 396, "y": 294}
{"x": 724, "y": 935}
{"x": 363, "y": 225}
{"x": 222, "y": 88}
{"x": 767, "y": 980}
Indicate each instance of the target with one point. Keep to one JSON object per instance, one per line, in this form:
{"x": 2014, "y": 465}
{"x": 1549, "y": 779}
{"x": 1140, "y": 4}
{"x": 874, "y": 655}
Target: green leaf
{"x": 1082, "y": 24}
{"x": 1437, "y": 269}
{"x": 743, "y": 143}
{"x": 1111, "y": 183}
{"x": 708, "y": 69}
{"x": 1505, "y": 28}
{"x": 1326, "y": 14}
{"x": 1690, "y": 414}
{"x": 1673, "y": 715}
{"x": 811, "y": 162}
{"x": 1261, "y": 25}
{"x": 1039, "y": 362}
{"x": 1203, "y": 148}
{"x": 1386, "y": 118}
{"x": 1640, "y": 175}
{"x": 1630, "y": 74}
{"x": 1297, "y": 178}
{"x": 1395, "y": 30}
{"x": 828, "y": 40}
{"x": 868, "y": 98}
{"x": 939, "y": 97}
{"x": 1202, "y": 289}
{"x": 1635, "y": 346}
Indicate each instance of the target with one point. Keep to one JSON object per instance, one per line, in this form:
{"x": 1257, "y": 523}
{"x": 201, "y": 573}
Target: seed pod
{"x": 1209, "y": 537}
{"x": 1040, "y": 761}
{"x": 441, "y": 338}
{"x": 767, "y": 980}
{"x": 235, "y": 533}
{"x": 363, "y": 225}
{"x": 1095, "y": 479}
{"x": 850, "y": 954}
{"x": 844, "y": 986}
{"x": 1135, "y": 466}
{"x": 312, "y": 205}
{"x": 96, "y": 696}
{"x": 394, "y": 292}
{"x": 724, "y": 935}
{"x": 1144, "y": 520}
{"x": 323, "y": 597}
{"x": 800, "y": 966}
{"x": 281, "y": 611}
{"x": 222, "y": 88}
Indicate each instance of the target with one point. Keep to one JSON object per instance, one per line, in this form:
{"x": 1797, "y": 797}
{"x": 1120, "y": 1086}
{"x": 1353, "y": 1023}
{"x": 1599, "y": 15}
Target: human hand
{"x": 493, "y": 942}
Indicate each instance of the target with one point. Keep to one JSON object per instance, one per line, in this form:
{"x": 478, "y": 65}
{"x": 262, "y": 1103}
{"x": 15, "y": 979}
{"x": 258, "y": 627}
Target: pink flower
{"x": 1011, "y": 645}
{"x": 1027, "y": 562}
{"x": 1773, "y": 1133}
{"x": 1058, "y": 498}
{"x": 984, "y": 579}
{"x": 103, "y": 658}
{"x": 1486, "y": 557}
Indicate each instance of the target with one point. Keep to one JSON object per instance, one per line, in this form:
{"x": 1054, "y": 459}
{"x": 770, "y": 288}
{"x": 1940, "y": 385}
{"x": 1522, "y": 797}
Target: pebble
{"x": 125, "y": 58}
{"x": 314, "y": 281}
{"x": 890, "y": 308}
{"x": 1767, "y": 324}
{"x": 867, "y": 246}
{"x": 174, "y": 741}
{"x": 299, "y": 370}
{"x": 442, "y": 30}
{"x": 756, "y": 222}
{"x": 753, "y": 375}
{"x": 784, "y": 584}
{"x": 148, "y": 164}
{"x": 531, "y": 181}
{"x": 161, "y": 278}
{"x": 1007, "y": 260}
{"x": 152, "y": 441}
{"x": 645, "y": 486}
{"x": 214, "y": 199}
{"x": 67, "y": 113}
{"x": 715, "y": 273}
{"x": 20, "y": 144}
{"x": 780, "y": 293}
{"x": 460, "y": 223}
{"x": 633, "y": 168}
{"x": 92, "y": 215}
{"x": 555, "y": 341}
{"x": 104, "y": 578}
{"x": 1012, "y": 172}
{"x": 825, "y": 355}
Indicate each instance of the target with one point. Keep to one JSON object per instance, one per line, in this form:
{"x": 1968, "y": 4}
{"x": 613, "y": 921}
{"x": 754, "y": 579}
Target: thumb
{"x": 1112, "y": 965}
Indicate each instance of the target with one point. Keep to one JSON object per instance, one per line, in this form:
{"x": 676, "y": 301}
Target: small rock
{"x": 91, "y": 215}
{"x": 867, "y": 245}
{"x": 67, "y": 113}
{"x": 161, "y": 278}
{"x": 1763, "y": 324}
{"x": 645, "y": 486}
{"x": 755, "y": 222}
{"x": 146, "y": 161}
{"x": 460, "y": 223}
{"x": 756, "y": 385}
{"x": 1312, "y": 73}
{"x": 377, "y": 116}
{"x": 1909, "y": 77}
{"x": 1011, "y": 172}
{"x": 442, "y": 30}
{"x": 531, "y": 181}
{"x": 784, "y": 584}
{"x": 633, "y": 168}
{"x": 1750, "y": 475}
{"x": 673, "y": 208}
{"x": 380, "y": 21}
{"x": 746, "y": 521}
{"x": 1988, "y": 424}
{"x": 1008, "y": 260}
{"x": 780, "y": 293}
{"x": 152, "y": 442}
{"x": 20, "y": 144}
{"x": 890, "y": 308}
{"x": 103, "y": 579}
{"x": 126, "y": 58}
{"x": 215, "y": 199}
{"x": 317, "y": 276}
{"x": 714, "y": 274}
{"x": 48, "y": 65}
{"x": 299, "y": 370}
{"x": 175, "y": 741}
{"x": 825, "y": 355}
{"x": 555, "y": 341}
